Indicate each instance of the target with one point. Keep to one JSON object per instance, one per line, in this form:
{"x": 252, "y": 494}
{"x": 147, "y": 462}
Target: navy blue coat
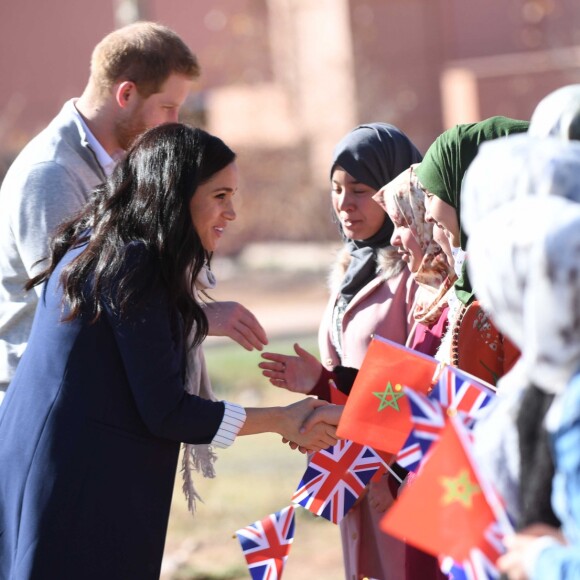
{"x": 90, "y": 431}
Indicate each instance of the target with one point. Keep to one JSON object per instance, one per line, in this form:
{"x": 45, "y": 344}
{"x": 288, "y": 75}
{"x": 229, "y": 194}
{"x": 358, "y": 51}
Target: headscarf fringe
{"x": 200, "y": 458}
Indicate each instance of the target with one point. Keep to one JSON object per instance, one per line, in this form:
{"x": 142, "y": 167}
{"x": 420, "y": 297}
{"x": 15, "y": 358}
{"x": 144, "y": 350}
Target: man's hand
{"x": 237, "y": 322}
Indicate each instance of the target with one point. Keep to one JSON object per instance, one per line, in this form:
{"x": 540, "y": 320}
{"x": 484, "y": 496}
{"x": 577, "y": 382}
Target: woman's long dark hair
{"x": 145, "y": 200}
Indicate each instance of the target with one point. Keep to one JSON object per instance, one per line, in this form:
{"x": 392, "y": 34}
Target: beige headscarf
{"x": 404, "y": 201}
{"x": 198, "y": 458}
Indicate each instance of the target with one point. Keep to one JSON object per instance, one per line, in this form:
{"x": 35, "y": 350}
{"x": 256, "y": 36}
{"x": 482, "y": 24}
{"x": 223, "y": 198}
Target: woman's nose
{"x": 230, "y": 212}
{"x": 395, "y": 238}
{"x": 345, "y": 201}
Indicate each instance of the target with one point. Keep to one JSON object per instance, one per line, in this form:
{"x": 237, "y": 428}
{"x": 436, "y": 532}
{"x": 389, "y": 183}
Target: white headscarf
{"x": 552, "y": 300}
{"x": 558, "y": 114}
{"x": 527, "y": 276}
{"x": 518, "y": 166}
{"x": 524, "y": 260}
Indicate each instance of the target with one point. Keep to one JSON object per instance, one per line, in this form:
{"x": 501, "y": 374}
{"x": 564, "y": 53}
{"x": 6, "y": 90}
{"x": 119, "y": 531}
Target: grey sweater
{"x": 48, "y": 182}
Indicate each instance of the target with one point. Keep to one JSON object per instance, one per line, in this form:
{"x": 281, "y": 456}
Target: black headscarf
{"x": 373, "y": 154}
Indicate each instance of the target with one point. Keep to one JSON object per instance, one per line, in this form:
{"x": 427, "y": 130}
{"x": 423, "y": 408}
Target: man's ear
{"x": 125, "y": 93}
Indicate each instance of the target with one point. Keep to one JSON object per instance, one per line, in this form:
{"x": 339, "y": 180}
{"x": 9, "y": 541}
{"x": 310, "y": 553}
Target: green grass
{"x": 234, "y": 370}
{"x": 255, "y": 477}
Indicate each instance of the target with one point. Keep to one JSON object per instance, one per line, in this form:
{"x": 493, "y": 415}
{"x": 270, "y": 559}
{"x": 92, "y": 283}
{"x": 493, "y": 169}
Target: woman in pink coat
{"x": 371, "y": 292}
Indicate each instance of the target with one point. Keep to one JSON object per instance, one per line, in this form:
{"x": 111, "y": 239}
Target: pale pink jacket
{"x": 383, "y": 307}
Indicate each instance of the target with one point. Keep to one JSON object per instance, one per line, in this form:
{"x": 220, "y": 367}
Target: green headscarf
{"x": 441, "y": 171}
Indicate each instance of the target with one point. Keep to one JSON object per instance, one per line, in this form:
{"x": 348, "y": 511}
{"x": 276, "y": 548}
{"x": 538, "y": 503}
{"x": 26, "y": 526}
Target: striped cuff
{"x": 233, "y": 421}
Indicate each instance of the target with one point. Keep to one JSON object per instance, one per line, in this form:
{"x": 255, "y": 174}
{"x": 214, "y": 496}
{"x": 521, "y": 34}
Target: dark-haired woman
{"x": 91, "y": 425}
{"x": 371, "y": 293}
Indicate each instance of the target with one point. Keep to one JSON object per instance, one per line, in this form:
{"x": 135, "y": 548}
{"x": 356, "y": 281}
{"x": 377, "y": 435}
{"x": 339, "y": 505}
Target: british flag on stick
{"x": 428, "y": 417}
{"x": 461, "y": 392}
{"x": 454, "y": 393}
{"x": 266, "y": 544}
{"x": 336, "y": 477}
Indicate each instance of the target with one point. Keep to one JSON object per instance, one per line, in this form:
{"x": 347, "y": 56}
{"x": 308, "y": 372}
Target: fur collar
{"x": 389, "y": 264}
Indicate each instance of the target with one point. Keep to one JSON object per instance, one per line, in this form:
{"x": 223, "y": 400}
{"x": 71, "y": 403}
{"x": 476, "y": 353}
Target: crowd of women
{"x": 488, "y": 226}
{"x": 470, "y": 254}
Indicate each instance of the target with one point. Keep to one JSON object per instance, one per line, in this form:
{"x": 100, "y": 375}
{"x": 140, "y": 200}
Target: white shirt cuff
{"x": 233, "y": 421}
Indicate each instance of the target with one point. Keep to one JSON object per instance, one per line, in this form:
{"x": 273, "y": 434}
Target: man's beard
{"x": 127, "y": 130}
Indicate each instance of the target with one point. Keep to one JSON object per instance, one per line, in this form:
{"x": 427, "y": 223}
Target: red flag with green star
{"x": 377, "y": 412}
{"x": 448, "y": 507}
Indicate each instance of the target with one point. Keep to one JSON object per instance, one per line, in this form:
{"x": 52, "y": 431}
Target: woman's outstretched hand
{"x": 298, "y": 374}
{"x": 321, "y": 434}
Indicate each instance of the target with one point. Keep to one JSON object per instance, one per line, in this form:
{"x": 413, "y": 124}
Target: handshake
{"x": 310, "y": 424}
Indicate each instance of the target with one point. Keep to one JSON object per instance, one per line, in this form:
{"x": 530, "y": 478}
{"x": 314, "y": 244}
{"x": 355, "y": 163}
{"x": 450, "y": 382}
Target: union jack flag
{"x": 461, "y": 392}
{"x": 336, "y": 477}
{"x": 266, "y": 544}
{"x": 481, "y": 562}
{"x": 428, "y": 417}
{"x": 454, "y": 392}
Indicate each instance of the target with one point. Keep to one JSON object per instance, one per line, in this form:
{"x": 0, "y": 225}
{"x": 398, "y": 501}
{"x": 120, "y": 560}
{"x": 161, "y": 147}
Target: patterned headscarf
{"x": 517, "y": 167}
{"x": 527, "y": 276}
{"x": 373, "y": 154}
{"x": 558, "y": 114}
{"x": 445, "y": 164}
{"x": 404, "y": 202}
{"x": 552, "y": 301}
{"x": 524, "y": 254}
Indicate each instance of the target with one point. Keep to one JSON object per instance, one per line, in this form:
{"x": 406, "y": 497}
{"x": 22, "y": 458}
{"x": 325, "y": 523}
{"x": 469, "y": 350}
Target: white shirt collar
{"x": 104, "y": 159}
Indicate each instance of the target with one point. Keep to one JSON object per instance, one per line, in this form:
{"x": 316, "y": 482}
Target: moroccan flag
{"x": 266, "y": 544}
{"x": 377, "y": 412}
{"x": 481, "y": 562}
{"x": 448, "y": 509}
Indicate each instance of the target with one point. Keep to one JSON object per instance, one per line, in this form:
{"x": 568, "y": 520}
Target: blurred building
{"x": 283, "y": 80}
